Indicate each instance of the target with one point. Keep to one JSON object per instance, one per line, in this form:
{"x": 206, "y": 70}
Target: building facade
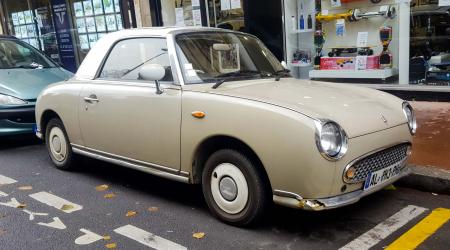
{"x": 374, "y": 41}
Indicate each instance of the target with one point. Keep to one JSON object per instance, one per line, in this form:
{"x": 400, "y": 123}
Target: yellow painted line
{"x": 420, "y": 232}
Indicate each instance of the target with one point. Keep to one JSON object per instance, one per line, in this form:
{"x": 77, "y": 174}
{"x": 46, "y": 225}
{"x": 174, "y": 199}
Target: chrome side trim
{"x": 39, "y": 134}
{"x": 350, "y": 164}
{"x": 289, "y": 199}
{"x": 149, "y": 168}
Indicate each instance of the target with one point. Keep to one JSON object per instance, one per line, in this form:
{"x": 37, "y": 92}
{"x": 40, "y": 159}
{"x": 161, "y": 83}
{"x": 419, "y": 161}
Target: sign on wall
{"x": 63, "y": 34}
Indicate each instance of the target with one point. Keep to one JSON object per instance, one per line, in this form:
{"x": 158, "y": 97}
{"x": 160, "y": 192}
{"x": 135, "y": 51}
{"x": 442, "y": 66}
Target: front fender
{"x": 282, "y": 139}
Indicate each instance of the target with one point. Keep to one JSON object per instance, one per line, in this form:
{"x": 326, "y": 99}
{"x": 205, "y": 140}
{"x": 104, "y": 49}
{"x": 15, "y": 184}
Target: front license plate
{"x": 381, "y": 176}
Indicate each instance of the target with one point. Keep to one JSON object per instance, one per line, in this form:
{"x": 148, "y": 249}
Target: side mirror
{"x": 153, "y": 72}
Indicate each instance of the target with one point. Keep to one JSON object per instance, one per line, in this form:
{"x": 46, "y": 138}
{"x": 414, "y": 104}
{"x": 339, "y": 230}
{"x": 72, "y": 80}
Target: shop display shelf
{"x": 370, "y": 74}
{"x": 297, "y": 31}
{"x": 301, "y": 64}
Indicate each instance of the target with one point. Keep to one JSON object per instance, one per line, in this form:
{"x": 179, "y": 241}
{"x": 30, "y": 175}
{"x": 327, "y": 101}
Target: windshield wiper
{"x": 278, "y": 73}
{"x": 237, "y": 73}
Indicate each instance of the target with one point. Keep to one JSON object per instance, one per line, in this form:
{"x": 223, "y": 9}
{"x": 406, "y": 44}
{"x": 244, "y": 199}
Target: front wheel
{"x": 58, "y": 145}
{"x": 234, "y": 188}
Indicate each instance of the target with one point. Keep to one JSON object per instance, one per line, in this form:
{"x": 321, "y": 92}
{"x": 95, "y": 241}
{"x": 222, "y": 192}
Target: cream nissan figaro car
{"x": 215, "y": 107}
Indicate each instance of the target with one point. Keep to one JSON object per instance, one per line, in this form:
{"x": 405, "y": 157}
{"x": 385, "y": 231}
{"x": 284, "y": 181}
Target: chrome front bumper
{"x": 296, "y": 201}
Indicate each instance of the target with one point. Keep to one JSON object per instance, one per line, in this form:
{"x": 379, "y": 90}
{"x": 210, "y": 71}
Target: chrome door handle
{"x": 91, "y": 99}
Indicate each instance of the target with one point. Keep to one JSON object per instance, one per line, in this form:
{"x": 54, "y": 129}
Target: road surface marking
{"x": 147, "y": 238}
{"x": 12, "y": 203}
{"x": 424, "y": 229}
{"x": 385, "y": 228}
{"x": 3, "y": 194}
{"x": 32, "y": 214}
{"x": 56, "y": 223}
{"x": 4, "y": 180}
{"x": 56, "y": 202}
{"x": 88, "y": 237}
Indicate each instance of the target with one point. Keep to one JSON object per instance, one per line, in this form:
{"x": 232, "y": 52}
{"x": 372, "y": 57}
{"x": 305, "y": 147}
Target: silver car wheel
{"x": 58, "y": 144}
{"x": 229, "y": 188}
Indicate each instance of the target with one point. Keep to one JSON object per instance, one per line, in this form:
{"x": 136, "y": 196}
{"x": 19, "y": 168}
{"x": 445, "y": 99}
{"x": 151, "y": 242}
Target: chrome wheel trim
{"x": 58, "y": 144}
{"x": 231, "y": 199}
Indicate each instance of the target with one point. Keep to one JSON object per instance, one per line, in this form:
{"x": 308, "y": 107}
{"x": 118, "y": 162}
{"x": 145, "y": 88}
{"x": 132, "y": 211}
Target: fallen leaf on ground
{"x": 109, "y": 196}
{"x": 111, "y": 245}
{"x": 198, "y": 235}
{"x": 106, "y": 237}
{"x": 67, "y": 207}
{"x": 25, "y": 188}
{"x": 130, "y": 213}
{"x": 21, "y": 205}
{"x": 153, "y": 209}
{"x": 101, "y": 187}
{"x": 390, "y": 187}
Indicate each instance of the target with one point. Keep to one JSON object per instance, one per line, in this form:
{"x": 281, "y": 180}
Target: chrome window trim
{"x": 351, "y": 163}
{"x": 170, "y": 46}
{"x": 151, "y": 168}
{"x": 318, "y": 123}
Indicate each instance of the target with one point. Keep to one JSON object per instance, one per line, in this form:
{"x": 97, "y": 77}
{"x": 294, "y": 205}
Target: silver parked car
{"x": 212, "y": 106}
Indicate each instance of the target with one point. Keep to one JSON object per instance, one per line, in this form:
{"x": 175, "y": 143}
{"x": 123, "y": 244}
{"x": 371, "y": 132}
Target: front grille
{"x": 379, "y": 160}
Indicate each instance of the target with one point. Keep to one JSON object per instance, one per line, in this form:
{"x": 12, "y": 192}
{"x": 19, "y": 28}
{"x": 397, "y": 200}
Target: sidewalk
{"x": 430, "y": 160}
{"x": 431, "y": 144}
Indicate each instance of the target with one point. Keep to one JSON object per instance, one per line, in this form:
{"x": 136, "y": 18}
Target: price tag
{"x": 361, "y": 41}
{"x": 335, "y": 3}
{"x": 361, "y": 62}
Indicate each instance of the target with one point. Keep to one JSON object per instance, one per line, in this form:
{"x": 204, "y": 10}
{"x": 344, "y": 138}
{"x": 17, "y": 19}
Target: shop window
{"x": 93, "y": 19}
{"x": 364, "y": 42}
{"x": 226, "y": 14}
{"x": 181, "y": 12}
{"x": 31, "y": 22}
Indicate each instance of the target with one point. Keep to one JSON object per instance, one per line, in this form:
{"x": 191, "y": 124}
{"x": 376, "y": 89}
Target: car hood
{"x": 358, "y": 110}
{"x": 26, "y": 84}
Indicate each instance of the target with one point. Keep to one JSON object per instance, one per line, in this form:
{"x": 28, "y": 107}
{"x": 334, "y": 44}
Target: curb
{"x": 427, "y": 179}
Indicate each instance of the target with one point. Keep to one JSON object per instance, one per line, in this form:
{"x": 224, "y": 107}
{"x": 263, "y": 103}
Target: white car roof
{"x": 94, "y": 59}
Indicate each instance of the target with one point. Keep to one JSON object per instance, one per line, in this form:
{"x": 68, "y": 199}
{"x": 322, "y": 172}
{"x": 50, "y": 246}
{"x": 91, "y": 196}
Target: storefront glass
{"x": 226, "y": 14}
{"x": 64, "y": 29}
{"x": 374, "y": 41}
{"x": 93, "y": 19}
{"x": 31, "y": 21}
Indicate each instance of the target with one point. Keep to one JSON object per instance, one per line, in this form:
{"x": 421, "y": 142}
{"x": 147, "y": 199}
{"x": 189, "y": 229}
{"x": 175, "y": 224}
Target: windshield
{"x": 207, "y": 57}
{"x": 17, "y": 54}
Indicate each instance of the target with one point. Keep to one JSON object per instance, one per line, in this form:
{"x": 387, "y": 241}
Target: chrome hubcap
{"x": 228, "y": 188}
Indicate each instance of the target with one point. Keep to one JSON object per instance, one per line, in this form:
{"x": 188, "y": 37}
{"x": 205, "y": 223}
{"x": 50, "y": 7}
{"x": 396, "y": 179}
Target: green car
{"x": 24, "y": 72}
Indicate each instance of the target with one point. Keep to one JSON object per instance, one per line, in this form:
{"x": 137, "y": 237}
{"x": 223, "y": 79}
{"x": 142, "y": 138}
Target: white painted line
{"x": 56, "y": 223}
{"x": 13, "y": 203}
{"x": 88, "y": 237}
{"x": 385, "y": 228}
{"x": 4, "y": 180}
{"x": 3, "y": 194}
{"x": 56, "y": 202}
{"x": 32, "y": 214}
{"x": 147, "y": 238}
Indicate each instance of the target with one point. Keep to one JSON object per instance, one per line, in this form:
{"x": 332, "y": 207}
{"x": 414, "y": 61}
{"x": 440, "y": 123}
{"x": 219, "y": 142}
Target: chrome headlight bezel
{"x": 320, "y": 124}
{"x": 7, "y": 100}
{"x": 411, "y": 118}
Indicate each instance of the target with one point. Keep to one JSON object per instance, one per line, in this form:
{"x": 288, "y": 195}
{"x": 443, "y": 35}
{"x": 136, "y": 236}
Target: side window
{"x": 128, "y": 56}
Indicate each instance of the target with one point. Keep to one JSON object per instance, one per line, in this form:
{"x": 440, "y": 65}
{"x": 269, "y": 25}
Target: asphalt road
{"x": 177, "y": 211}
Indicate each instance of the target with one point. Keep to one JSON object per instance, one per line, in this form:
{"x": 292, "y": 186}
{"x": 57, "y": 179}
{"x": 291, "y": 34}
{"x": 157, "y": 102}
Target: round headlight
{"x": 410, "y": 117}
{"x": 331, "y": 140}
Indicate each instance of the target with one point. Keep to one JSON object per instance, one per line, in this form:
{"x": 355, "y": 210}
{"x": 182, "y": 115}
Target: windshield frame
{"x": 179, "y": 54}
{"x": 51, "y": 62}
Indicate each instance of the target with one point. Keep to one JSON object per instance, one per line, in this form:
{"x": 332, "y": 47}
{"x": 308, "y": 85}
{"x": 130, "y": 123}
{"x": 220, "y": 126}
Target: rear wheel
{"x": 234, "y": 188}
{"x": 58, "y": 145}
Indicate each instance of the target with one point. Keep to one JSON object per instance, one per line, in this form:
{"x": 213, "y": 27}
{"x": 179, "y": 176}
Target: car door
{"x": 124, "y": 117}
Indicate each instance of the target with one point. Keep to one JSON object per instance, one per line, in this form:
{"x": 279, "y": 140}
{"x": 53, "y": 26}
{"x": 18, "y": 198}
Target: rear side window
{"x": 128, "y": 56}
